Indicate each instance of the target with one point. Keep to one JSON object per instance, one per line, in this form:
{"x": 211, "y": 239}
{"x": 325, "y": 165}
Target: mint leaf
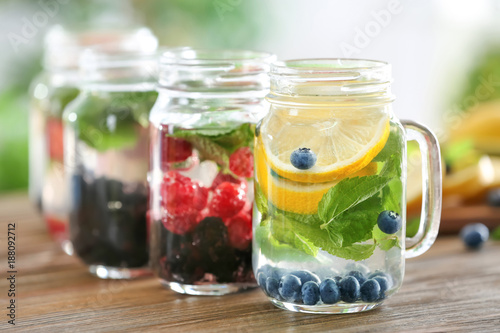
{"x": 347, "y": 194}
{"x": 355, "y": 252}
{"x": 393, "y": 145}
{"x": 355, "y": 226}
{"x": 209, "y": 150}
{"x": 275, "y": 250}
{"x": 384, "y": 241}
{"x": 387, "y": 244}
{"x": 230, "y": 138}
{"x": 260, "y": 201}
{"x": 293, "y": 233}
{"x": 391, "y": 196}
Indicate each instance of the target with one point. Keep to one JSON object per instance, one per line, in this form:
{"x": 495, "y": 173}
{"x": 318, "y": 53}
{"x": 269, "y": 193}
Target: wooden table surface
{"x": 447, "y": 289}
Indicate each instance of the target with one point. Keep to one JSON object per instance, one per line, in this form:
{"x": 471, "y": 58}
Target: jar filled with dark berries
{"x": 55, "y": 87}
{"x": 106, "y": 155}
{"x": 201, "y": 174}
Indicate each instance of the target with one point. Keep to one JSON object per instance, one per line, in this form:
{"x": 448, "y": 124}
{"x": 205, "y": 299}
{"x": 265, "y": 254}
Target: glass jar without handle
{"x": 201, "y": 176}
{"x": 106, "y": 157}
{"x": 51, "y": 92}
{"x": 330, "y": 180}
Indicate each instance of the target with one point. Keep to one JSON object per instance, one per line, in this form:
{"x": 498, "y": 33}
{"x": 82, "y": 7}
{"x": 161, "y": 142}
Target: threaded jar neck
{"x": 199, "y": 72}
{"x": 330, "y": 80}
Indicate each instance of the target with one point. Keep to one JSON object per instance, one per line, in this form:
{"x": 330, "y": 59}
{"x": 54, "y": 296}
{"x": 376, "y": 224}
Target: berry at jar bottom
{"x": 286, "y": 285}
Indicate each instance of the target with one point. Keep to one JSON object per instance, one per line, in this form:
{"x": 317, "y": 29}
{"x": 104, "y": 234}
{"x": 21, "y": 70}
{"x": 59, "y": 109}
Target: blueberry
{"x": 384, "y": 285}
{"x": 272, "y": 288}
{"x": 306, "y": 276}
{"x": 337, "y": 279}
{"x": 474, "y": 235}
{"x": 383, "y": 282}
{"x": 290, "y": 288}
{"x": 261, "y": 279}
{"x": 358, "y": 275}
{"x": 303, "y": 158}
{"x": 349, "y": 289}
{"x": 330, "y": 293}
{"x": 494, "y": 197}
{"x": 310, "y": 293}
{"x": 389, "y": 222}
{"x": 276, "y": 273}
{"x": 370, "y": 291}
{"x": 384, "y": 275}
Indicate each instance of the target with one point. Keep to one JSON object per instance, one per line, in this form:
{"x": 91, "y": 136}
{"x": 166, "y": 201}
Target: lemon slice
{"x": 296, "y": 197}
{"x": 343, "y": 145}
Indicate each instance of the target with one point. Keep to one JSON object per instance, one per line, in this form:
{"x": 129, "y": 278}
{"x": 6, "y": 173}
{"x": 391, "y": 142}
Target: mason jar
{"x": 201, "y": 176}
{"x": 51, "y": 92}
{"x": 330, "y": 183}
{"x": 106, "y": 157}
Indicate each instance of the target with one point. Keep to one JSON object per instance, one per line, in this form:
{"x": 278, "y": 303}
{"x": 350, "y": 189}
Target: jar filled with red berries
{"x": 201, "y": 174}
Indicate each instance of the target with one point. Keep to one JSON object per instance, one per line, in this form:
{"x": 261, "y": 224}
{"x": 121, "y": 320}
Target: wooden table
{"x": 447, "y": 289}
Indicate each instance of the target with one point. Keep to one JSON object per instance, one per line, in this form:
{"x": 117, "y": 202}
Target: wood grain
{"x": 448, "y": 289}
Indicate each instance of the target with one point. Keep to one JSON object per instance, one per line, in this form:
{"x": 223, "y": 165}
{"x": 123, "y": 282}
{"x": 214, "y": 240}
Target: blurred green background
{"x": 224, "y": 23}
{"x": 439, "y": 50}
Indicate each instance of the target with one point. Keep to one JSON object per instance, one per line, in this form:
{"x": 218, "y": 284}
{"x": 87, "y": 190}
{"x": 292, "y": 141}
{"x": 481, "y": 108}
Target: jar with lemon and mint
{"x": 329, "y": 213}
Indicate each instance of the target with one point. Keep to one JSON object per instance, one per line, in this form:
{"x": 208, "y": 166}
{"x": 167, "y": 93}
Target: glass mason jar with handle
{"x": 51, "y": 92}
{"x": 106, "y": 157}
{"x": 330, "y": 181}
{"x": 201, "y": 176}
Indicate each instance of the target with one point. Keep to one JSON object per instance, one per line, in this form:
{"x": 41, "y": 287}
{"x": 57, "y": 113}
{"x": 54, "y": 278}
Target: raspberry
{"x": 228, "y": 200}
{"x": 177, "y": 192}
{"x": 55, "y": 139}
{"x": 222, "y": 177}
{"x": 201, "y": 197}
{"x": 180, "y": 223}
{"x": 241, "y": 162}
{"x": 175, "y": 150}
{"x": 239, "y": 230}
{"x": 182, "y": 199}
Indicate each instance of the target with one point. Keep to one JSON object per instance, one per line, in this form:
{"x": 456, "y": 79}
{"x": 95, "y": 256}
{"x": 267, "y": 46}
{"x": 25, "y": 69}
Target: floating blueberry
{"x": 474, "y": 235}
{"x": 329, "y": 291}
{"x": 272, "y": 288}
{"x": 290, "y": 288}
{"x": 310, "y": 293}
{"x": 349, "y": 289}
{"x": 370, "y": 291}
{"x": 306, "y": 276}
{"x": 303, "y": 158}
{"x": 494, "y": 197}
{"x": 389, "y": 222}
{"x": 358, "y": 275}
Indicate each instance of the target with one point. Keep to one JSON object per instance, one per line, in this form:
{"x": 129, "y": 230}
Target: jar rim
{"x": 332, "y": 69}
{"x": 189, "y": 56}
{"x": 63, "y": 47}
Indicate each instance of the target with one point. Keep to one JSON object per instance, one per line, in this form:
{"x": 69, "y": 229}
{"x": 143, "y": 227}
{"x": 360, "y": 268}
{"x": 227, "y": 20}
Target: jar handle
{"x": 431, "y": 188}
